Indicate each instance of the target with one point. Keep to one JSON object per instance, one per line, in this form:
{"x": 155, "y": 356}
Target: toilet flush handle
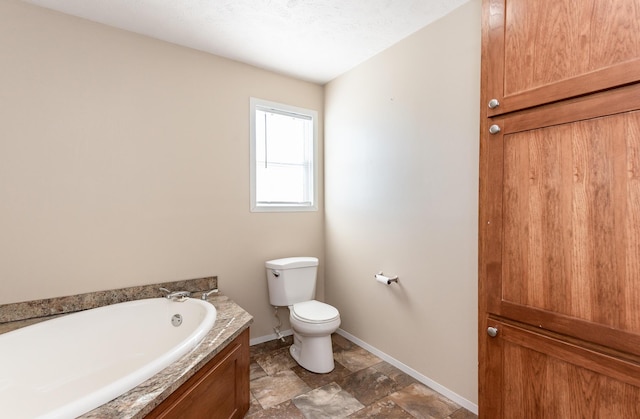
{"x": 275, "y": 273}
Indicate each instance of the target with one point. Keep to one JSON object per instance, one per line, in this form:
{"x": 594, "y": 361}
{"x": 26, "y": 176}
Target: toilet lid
{"x": 314, "y": 312}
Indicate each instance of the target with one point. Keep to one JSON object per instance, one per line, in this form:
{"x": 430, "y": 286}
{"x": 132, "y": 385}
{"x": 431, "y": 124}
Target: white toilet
{"x": 292, "y": 283}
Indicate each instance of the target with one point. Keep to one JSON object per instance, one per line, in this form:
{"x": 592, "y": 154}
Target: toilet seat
{"x": 314, "y": 312}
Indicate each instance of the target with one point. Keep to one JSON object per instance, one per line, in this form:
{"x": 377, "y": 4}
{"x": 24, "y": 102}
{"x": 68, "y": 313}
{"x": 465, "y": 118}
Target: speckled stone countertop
{"x": 231, "y": 320}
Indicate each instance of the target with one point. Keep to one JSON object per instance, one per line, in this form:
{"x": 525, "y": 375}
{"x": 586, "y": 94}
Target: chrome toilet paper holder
{"x": 385, "y": 279}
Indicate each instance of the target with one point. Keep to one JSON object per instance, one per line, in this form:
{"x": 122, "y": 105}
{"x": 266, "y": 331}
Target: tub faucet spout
{"x": 176, "y": 295}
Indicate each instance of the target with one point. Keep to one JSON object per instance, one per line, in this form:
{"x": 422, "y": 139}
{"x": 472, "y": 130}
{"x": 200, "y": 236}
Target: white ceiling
{"x": 314, "y": 40}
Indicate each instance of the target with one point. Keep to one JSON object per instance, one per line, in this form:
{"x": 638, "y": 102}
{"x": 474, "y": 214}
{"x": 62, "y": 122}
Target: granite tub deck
{"x": 138, "y": 402}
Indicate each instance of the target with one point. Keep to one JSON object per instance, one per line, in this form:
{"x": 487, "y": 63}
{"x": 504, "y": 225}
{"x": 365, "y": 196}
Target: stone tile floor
{"x": 361, "y": 386}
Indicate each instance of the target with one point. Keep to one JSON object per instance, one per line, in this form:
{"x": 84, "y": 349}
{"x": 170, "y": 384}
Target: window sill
{"x": 284, "y": 208}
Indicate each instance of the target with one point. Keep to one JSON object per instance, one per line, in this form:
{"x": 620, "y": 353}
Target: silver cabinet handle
{"x": 494, "y": 103}
{"x": 492, "y": 331}
{"x": 494, "y": 129}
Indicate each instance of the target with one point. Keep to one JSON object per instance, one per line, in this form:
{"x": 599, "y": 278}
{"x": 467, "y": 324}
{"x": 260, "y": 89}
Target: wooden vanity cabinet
{"x": 219, "y": 390}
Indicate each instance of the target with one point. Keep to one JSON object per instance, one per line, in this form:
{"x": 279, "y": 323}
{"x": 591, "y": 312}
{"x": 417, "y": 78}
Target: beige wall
{"x": 401, "y": 153}
{"x": 124, "y": 161}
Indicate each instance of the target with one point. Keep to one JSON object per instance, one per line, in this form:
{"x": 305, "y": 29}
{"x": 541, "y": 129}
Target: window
{"x": 283, "y": 157}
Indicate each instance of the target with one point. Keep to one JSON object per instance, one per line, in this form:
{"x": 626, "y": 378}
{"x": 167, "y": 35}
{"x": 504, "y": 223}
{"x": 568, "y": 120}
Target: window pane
{"x": 283, "y": 137}
{"x": 282, "y": 183}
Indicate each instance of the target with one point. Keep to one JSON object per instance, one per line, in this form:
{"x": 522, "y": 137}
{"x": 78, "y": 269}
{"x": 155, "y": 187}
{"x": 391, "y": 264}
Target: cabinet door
{"x": 543, "y": 51}
{"x": 220, "y": 390}
{"x": 560, "y": 242}
{"x": 542, "y": 377}
{"x": 563, "y": 227}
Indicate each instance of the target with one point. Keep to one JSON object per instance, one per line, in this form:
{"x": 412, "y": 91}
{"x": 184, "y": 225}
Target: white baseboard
{"x": 472, "y": 407}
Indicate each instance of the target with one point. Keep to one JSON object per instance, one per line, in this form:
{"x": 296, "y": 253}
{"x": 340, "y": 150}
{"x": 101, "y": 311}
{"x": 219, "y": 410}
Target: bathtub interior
{"x": 69, "y": 365}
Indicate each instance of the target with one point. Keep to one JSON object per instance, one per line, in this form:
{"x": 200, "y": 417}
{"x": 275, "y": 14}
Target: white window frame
{"x": 261, "y": 104}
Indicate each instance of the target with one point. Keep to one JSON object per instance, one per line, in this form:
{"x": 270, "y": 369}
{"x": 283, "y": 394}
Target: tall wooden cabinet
{"x": 559, "y": 248}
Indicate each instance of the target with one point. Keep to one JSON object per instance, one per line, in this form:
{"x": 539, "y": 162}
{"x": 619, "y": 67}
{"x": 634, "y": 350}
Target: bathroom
{"x": 124, "y": 161}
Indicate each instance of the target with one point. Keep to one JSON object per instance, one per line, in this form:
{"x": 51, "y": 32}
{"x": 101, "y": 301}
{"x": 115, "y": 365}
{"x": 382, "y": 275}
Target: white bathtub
{"x": 67, "y": 366}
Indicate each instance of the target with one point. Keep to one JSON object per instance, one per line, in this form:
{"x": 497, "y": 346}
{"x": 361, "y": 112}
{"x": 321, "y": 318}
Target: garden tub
{"x": 67, "y": 366}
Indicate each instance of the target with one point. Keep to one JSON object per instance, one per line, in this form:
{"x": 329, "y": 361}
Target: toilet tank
{"x": 291, "y": 280}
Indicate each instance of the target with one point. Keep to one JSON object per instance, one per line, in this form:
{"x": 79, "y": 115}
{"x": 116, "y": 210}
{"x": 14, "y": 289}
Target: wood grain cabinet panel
{"x": 545, "y": 377}
{"x": 220, "y": 390}
{"x": 549, "y": 50}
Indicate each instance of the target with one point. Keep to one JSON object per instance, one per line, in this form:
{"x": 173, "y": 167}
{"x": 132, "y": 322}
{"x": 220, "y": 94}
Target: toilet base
{"x": 313, "y": 353}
